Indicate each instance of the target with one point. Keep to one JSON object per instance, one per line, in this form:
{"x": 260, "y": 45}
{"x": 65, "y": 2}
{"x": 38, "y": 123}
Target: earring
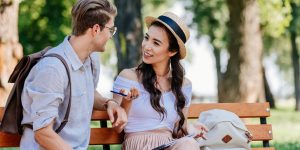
{"x": 170, "y": 69}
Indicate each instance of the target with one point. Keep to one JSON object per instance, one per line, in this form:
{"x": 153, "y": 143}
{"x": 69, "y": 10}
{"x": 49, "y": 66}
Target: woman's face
{"x": 155, "y": 46}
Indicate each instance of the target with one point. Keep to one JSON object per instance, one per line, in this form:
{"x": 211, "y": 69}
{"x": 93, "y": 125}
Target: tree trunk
{"x": 269, "y": 96}
{"x": 295, "y": 55}
{"x": 217, "y": 54}
{"x": 295, "y": 58}
{"x": 129, "y": 36}
{"x": 10, "y": 48}
{"x": 243, "y": 79}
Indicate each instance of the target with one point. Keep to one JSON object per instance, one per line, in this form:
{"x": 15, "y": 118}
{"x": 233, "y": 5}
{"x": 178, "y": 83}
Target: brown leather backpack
{"x": 13, "y": 113}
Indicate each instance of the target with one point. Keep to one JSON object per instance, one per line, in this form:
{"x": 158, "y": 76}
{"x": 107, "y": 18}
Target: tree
{"x": 210, "y": 18}
{"x": 295, "y": 53}
{"x": 275, "y": 18}
{"x": 129, "y": 37}
{"x": 243, "y": 79}
{"x": 44, "y": 23}
{"x": 10, "y": 48}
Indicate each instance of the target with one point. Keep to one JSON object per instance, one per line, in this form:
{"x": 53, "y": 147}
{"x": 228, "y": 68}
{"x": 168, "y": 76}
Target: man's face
{"x": 104, "y": 35}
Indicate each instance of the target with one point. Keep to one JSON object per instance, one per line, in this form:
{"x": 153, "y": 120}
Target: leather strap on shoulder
{"x": 64, "y": 122}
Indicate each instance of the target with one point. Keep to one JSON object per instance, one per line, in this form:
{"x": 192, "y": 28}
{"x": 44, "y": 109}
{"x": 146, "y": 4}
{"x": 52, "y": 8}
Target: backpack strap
{"x": 64, "y": 122}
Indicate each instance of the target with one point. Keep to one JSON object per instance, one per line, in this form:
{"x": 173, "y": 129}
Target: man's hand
{"x": 117, "y": 115}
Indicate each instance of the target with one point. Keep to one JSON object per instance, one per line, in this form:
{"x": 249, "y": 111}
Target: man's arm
{"x": 49, "y": 139}
{"x": 116, "y": 113}
{"x": 100, "y": 101}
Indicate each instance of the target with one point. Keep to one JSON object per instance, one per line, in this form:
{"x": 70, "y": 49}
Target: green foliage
{"x": 278, "y": 18}
{"x": 210, "y": 18}
{"x": 43, "y": 23}
{"x": 295, "y": 23}
{"x": 155, "y": 7}
{"x": 108, "y": 58}
{"x": 275, "y": 16}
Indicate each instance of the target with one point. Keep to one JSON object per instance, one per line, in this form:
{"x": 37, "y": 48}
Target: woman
{"x": 157, "y": 106}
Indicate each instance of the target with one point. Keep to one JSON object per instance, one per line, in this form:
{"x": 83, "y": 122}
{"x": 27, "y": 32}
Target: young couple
{"x": 153, "y": 113}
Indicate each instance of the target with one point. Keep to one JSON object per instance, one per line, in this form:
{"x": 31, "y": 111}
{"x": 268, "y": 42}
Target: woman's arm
{"x": 126, "y": 101}
{"x": 195, "y": 128}
{"x": 185, "y": 112}
{"x": 180, "y": 133}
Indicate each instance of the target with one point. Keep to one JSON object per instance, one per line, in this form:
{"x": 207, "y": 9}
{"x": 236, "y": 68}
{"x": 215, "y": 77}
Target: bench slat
{"x": 109, "y": 136}
{"x": 99, "y": 115}
{"x": 261, "y": 132}
{"x": 104, "y": 136}
{"x": 1, "y": 112}
{"x": 8, "y": 140}
{"x": 243, "y": 110}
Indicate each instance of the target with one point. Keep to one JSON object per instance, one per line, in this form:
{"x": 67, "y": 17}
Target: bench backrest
{"x": 104, "y": 135}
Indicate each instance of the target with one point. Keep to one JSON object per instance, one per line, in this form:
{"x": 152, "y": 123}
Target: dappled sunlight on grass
{"x": 286, "y": 127}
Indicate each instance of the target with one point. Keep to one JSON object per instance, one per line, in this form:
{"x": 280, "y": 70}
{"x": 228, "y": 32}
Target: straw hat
{"x": 176, "y": 25}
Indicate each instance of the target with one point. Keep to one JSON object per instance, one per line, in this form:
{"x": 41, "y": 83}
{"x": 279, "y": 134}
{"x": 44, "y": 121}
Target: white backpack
{"x": 226, "y": 131}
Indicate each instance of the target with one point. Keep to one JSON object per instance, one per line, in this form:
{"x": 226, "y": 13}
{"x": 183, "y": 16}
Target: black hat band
{"x": 176, "y": 28}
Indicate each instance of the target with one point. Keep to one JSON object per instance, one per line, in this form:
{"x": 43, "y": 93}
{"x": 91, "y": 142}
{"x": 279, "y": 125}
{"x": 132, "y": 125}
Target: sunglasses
{"x": 112, "y": 30}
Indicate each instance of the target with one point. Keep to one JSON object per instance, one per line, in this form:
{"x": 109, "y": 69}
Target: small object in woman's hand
{"x": 118, "y": 93}
{"x": 202, "y": 134}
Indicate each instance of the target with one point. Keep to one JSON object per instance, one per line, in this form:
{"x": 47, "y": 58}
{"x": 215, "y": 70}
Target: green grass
{"x": 286, "y": 127}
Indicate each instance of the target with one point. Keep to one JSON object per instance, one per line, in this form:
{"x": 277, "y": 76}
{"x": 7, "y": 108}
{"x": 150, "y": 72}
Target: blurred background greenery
{"x": 242, "y": 35}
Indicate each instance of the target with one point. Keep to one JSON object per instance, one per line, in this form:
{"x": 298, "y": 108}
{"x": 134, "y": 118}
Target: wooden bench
{"x": 106, "y": 136}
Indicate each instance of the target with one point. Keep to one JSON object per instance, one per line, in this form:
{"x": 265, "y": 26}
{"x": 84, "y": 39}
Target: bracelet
{"x": 105, "y": 105}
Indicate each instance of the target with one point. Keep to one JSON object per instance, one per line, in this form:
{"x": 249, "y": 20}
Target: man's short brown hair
{"x": 86, "y": 13}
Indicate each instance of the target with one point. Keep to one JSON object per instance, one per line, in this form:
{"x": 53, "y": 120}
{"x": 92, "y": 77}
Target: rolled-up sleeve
{"x": 46, "y": 90}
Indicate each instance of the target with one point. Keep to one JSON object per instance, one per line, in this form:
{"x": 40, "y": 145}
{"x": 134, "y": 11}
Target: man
{"x": 44, "y": 95}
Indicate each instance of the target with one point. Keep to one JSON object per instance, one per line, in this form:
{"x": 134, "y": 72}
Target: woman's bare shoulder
{"x": 129, "y": 74}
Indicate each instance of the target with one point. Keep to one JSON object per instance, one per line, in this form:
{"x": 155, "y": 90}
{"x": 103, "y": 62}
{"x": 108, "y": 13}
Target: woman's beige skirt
{"x": 147, "y": 140}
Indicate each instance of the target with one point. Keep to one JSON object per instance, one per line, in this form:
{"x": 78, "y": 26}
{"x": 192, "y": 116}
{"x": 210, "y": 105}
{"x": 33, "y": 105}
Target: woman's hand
{"x": 199, "y": 129}
{"x": 131, "y": 95}
{"x": 127, "y": 100}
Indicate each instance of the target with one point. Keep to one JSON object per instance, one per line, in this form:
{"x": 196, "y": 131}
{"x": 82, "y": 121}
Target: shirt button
{"x": 81, "y": 69}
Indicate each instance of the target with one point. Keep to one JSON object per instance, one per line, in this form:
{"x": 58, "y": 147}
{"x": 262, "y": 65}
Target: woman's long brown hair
{"x": 148, "y": 79}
